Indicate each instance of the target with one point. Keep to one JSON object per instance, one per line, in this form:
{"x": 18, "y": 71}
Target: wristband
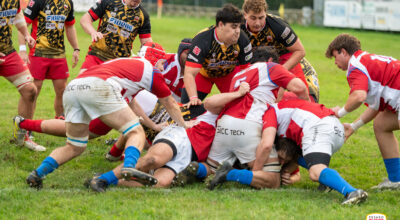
{"x": 356, "y": 125}
{"x": 342, "y": 112}
{"x": 77, "y": 49}
{"x": 22, "y": 47}
{"x": 193, "y": 97}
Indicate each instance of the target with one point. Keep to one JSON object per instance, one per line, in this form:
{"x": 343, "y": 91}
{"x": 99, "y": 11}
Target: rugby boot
{"x": 129, "y": 173}
{"x": 112, "y": 158}
{"x": 186, "y": 176}
{"x": 19, "y": 134}
{"x": 34, "y": 181}
{"x": 220, "y": 175}
{"x": 96, "y": 184}
{"x": 355, "y": 197}
{"x": 387, "y": 184}
{"x": 30, "y": 144}
{"x": 324, "y": 188}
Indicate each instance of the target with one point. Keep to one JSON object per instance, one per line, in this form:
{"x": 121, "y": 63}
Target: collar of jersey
{"x": 216, "y": 37}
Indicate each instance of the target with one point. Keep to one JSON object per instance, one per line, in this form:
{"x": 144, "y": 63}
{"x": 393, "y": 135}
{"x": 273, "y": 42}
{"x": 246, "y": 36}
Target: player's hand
{"x": 348, "y": 131}
{"x": 96, "y": 36}
{"x": 193, "y": 101}
{"x": 243, "y": 88}
{"x": 75, "y": 58}
{"x": 24, "y": 56}
{"x": 285, "y": 178}
{"x": 160, "y": 126}
{"x": 336, "y": 110}
{"x": 31, "y": 42}
{"x": 191, "y": 123}
{"x": 2, "y": 60}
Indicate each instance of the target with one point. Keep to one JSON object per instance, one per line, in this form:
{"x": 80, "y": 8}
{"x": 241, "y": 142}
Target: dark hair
{"x": 346, "y": 41}
{"x": 184, "y": 45}
{"x": 291, "y": 149}
{"x": 229, "y": 14}
{"x": 263, "y": 53}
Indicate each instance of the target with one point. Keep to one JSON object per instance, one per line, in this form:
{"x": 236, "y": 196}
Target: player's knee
{"x": 29, "y": 92}
{"x": 379, "y": 126}
{"x": 314, "y": 176}
{"x": 163, "y": 182}
{"x": 149, "y": 161}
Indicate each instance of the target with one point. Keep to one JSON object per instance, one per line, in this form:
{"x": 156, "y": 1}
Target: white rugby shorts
{"x": 235, "y": 138}
{"x": 178, "y": 136}
{"x": 88, "y": 98}
{"x": 325, "y": 136}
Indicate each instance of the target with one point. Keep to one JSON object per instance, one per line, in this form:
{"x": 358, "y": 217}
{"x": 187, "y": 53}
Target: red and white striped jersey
{"x": 292, "y": 116}
{"x": 264, "y": 79}
{"x": 379, "y": 76}
{"x": 202, "y": 135}
{"x": 129, "y": 76}
{"x": 172, "y": 75}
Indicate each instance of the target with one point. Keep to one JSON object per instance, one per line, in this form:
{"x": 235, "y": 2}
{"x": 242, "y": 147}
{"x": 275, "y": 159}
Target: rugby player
{"x": 13, "y": 68}
{"x": 239, "y": 131}
{"x": 47, "y": 59}
{"x": 100, "y": 93}
{"x": 375, "y": 81}
{"x": 120, "y": 21}
{"x": 214, "y": 55}
{"x": 269, "y": 30}
{"x": 318, "y": 134}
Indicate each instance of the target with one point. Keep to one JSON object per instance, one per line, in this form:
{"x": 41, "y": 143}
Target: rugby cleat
{"x": 19, "y": 134}
{"x": 112, "y": 158}
{"x": 387, "y": 184}
{"x": 30, "y": 144}
{"x": 129, "y": 173}
{"x": 324, "y": 188}
{"x": 34, "y": 181}
{"x": 355, "y": 197}
{"x": 220, "y": 175}
{"x": 96, "y": 184}
{"x": 186, "y": 176}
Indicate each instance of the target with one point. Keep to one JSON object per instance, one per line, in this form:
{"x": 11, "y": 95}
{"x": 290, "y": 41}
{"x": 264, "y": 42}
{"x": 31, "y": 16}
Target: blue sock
{"x": 201, "y": 172}
{"x": 132, "y": 154}
{"x": 240, "y": 176}
{"x": 302, "y": 162}
{"x": 109, "y": 177}
{"x": 332, "y": 178}
{"x": 393, "y": 169}
{"x": 48, "y": 165}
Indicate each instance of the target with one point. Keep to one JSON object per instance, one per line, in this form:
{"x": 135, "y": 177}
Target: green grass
{"x": 64, "y": 197}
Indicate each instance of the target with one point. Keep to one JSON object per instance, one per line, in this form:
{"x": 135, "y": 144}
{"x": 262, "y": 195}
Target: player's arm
{"x": 356, "y": 98}
{"x": 70, "y": 31}
{"x": 264, "y": 148}
{"x": 145, "y": 30}
{"x": 145, "y": 40}
{"x": 144, "y": 119}
{"x": 216, "y": 103}
{"x": 86, "y": 23}
{"x": 298, "y": 53}
{"x": 367, "y": 116}
{"x": 190, "y": 84}
{"x": 23, "y": 36}
{"x": 297, "y": 87}
{"x": 173, "y": 110}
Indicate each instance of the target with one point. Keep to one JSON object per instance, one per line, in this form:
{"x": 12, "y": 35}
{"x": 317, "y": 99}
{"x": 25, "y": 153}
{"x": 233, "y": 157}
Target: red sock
{"x": 31, "y": 125}
{"x": 115, "y": 151}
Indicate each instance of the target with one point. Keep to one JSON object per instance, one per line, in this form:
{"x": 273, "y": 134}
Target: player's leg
{"x": 59, "y": 87}
{"x": 164, "y": 176}
{"x": 116, "y": 150}
{"x": 54, "y": 127}
{"x": 384, "y": 124}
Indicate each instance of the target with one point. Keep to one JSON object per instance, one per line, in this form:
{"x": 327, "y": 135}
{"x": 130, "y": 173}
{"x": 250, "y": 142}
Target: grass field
{"x": 64, "y": 197}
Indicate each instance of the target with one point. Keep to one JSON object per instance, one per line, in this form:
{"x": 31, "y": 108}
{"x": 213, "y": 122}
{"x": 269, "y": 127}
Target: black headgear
{"x": 184, "y": 45}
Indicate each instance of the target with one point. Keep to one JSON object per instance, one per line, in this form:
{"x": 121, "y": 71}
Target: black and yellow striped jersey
{"x": 48, "y": 18}
{"x": 119, "y": 25}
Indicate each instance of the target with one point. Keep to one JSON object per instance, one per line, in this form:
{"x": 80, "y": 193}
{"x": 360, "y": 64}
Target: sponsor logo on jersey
{"x": 136, "y": 18}
{"x": 8, "y": 13}
{"x": 270, "y": 38}
{"x": 55, "y": 18}
{"x": 196, "y": 50}
{"x": 111, "y": 28}
{"x": 290, "y": 39}
{"x": 31, "y": 3}
{"x": 235, "y": 52}
{"x": 285, "y": 32}
{"x": 222, "y": 63}
{"x": 65, "y": 6}
{"x": 60, "y": 26}
{"x": 3, "y": 22}
{"x": 50, "y": 26}
{"x": 28, "y": 11}
{"x": 121, "y": 24}
{"x": 248, "y": 57}
{"x": 125, "y": 34}
{"x": 247, "y": 48}
{"x": 191, "y": 57}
